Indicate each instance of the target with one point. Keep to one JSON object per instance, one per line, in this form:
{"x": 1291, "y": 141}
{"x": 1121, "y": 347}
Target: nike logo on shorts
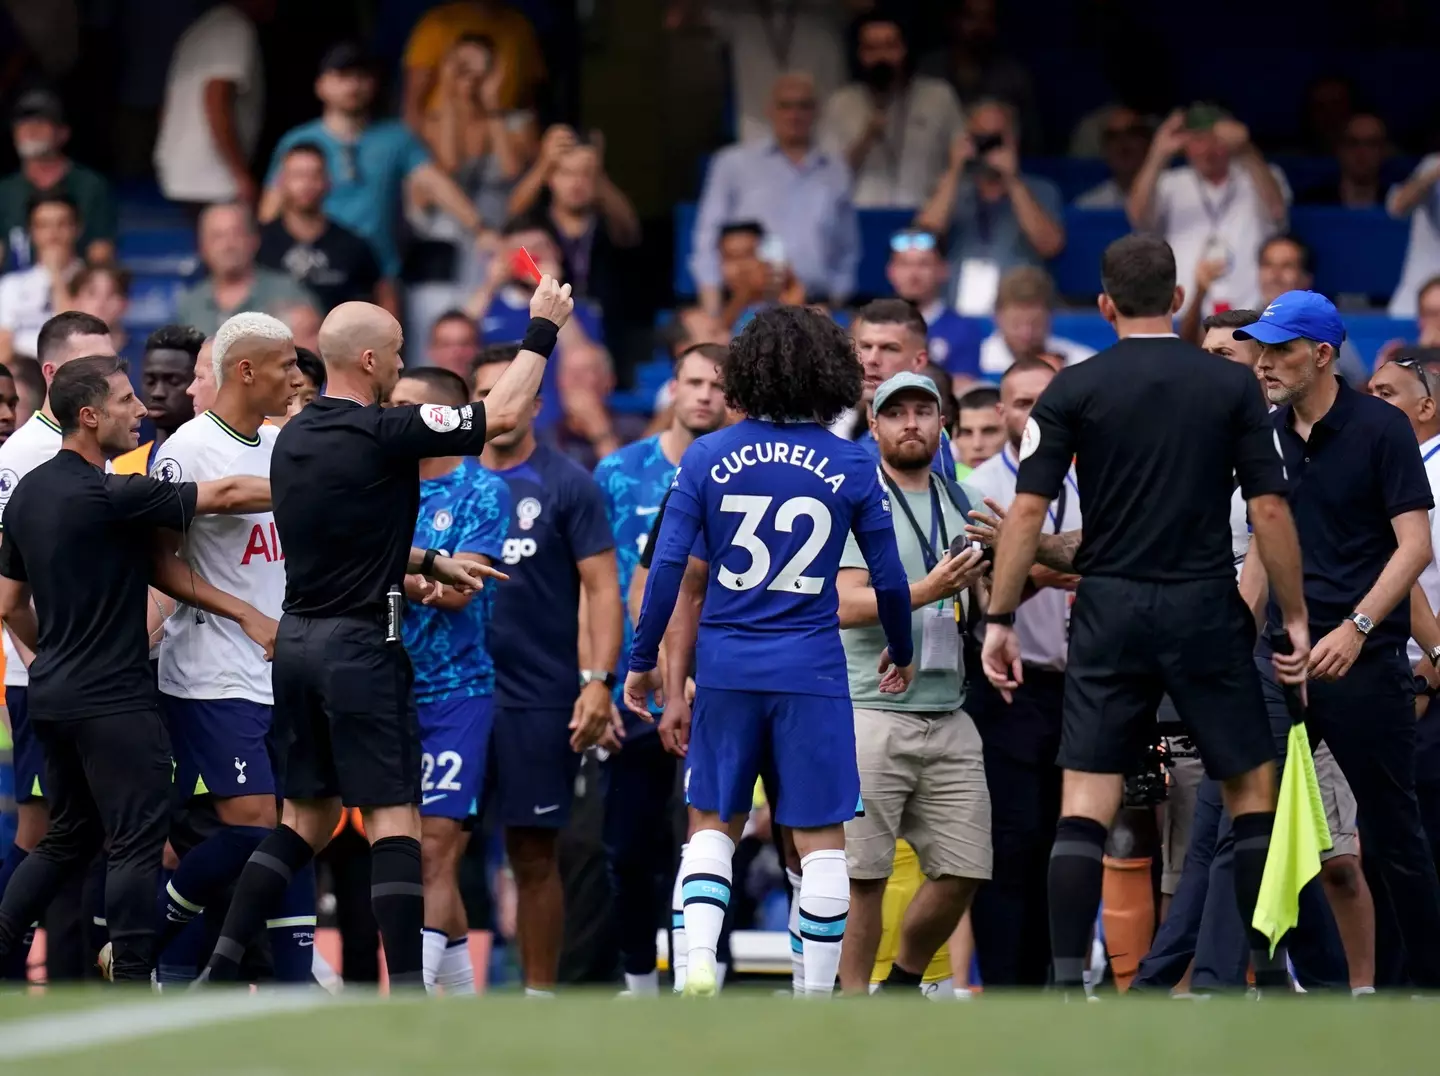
{"x": 547, "y": 810}
{"x": 428, "y": 800}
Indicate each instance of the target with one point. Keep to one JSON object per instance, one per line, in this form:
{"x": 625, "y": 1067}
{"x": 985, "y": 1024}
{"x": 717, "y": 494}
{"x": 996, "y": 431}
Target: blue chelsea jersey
{"x": 772, "y": 504}
{"x": 465, "y": 511}
{"x": 633, "y": 481}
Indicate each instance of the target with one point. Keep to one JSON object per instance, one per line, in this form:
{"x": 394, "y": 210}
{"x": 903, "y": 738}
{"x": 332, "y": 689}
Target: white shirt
{"x": 1043, "y": 620}
{"x": 219, "y": 45}
{"x": 32, "y": 444}
{"x": 996, "y": 356}
{"x": 1200, "y": 219}
{"x": 204, "y": 656}
{"x": 26, "y": 303}
{"x": 903, "y": 165}
{"x": 1430, "y": 577}
{"x": 1107, "y": 195}
{"x": 1422, "y": 254}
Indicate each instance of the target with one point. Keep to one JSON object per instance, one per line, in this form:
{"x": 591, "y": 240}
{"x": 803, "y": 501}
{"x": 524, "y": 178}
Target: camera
{"x": 987, "y": 143}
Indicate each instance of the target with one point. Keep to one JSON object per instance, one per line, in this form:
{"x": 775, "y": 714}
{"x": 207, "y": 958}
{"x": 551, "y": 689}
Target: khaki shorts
{"x": 1186, "y": 773}
{"x": 922, "y": 778}
{"x": 1339, "y": 805}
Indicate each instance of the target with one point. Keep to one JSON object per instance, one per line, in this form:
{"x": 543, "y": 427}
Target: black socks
{"x": 1252, "y": 847}
{"x": 258, "y": 893}
{"x": 397, "y": 898}
{"x": 1077, "y": 874}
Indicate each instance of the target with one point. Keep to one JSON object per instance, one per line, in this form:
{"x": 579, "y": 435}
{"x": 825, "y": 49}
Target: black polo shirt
{"x": 84, "y": 542}
{"x": 1359, "y": 470}
{"x": 345, "y": 482}
{"x": 1159, "y": 431}
{"x": 337, "y": 267}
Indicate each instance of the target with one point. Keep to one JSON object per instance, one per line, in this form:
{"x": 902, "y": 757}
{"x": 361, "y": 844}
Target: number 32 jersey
{"x": 775, "y": 502}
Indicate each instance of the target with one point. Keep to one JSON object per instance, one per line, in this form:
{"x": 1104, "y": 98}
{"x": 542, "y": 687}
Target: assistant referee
{"x": 1159, "y": 432}
{"x": 347, "y": 491}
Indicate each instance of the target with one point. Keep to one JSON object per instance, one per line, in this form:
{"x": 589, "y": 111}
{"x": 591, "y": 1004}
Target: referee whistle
{"x": 394, "y": 608}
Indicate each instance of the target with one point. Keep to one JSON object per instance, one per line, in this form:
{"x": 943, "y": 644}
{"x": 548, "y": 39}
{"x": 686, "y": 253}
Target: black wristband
{"x": 1000, "y": 620}
{"x": 540, "y": 337}
{"x": 427, "y": 562}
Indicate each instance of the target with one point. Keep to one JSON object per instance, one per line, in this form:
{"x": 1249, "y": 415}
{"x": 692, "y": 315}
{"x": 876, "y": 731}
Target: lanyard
{"x": 1426, "y": 457}
{"x": 1214, "y": 212}
{"x": 777, "y": 21}
{"x": 892, "y": 140}
{"x": 1056, "y": 511}
{"x": 937, "y": 523}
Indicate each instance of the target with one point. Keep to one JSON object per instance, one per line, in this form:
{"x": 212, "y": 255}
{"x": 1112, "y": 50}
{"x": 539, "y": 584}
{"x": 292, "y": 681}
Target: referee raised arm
{"x": 1159, "y": 432}
{"x": 347, "y": 491}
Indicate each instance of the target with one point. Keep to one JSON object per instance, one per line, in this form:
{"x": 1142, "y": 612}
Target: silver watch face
{"x": 1363, "y": 622}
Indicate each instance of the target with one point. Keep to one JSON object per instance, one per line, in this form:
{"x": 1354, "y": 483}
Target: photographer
{"x": 996, "y": 217}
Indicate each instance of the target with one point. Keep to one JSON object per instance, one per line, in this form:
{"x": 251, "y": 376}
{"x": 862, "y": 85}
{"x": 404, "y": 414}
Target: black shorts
{"x": 345, "y": 712}
{"x": 1132, "y": 642}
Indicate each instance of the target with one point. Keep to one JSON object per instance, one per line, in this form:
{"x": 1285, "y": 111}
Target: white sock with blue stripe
{"x": 706, "y": 871}
{"x": 679, "y": 942}
{"x": 824, "y": 907}
{"x": 797, "y": 948}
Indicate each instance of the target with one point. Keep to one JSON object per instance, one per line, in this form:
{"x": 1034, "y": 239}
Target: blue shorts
{"x": 29, "y": 756}
{"x": 224, "y": 742}
{"x": 533, "y": 766}
{"x": 809, "y": 740}
{"x": 454, "y": 742}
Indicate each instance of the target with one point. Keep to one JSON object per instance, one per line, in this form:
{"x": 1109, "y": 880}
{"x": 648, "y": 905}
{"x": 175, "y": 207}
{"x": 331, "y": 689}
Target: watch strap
{"x": 1003, "y": 620}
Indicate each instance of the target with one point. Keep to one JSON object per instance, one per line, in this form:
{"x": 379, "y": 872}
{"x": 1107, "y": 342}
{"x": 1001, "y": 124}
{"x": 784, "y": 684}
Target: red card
{"x": 523, "y": 266}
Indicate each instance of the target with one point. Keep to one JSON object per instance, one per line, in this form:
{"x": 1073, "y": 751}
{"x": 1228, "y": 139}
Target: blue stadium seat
{"x": 1358, "y": 251}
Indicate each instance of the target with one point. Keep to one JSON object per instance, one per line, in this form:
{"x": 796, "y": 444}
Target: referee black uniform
{"x": 82, "y": 543}
{"x": 346, "y": 487}
{"x": 1159, "y": 431}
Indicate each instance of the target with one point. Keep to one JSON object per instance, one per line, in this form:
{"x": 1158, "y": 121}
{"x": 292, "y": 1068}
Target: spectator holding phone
{"x": 995, "y": 216}
{"x": 918, "y": 273}
{"x": 892, "y": 126}
{"x": 1219, "y": 207}
{"x": 754, "y": 273}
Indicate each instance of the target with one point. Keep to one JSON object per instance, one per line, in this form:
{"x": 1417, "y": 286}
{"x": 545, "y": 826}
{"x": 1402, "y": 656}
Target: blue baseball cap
{"x": 1295, "y": 315}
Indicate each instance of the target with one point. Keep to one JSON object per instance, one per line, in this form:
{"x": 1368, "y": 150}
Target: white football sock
{"x": 939, "y": 990}
{"x": 797, "y": 950}
{"x": 824, "y": 907}
{"x": 457, "y": 973}
{"x": 679, "y": 946}
{"x": 706, "y": 873}
{"x": 432, "y": 949}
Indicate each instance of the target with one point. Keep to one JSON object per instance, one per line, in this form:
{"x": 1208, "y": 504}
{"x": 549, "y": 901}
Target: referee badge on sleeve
{"x": 443, "y": 419}
{"x": 1030, "y": 439}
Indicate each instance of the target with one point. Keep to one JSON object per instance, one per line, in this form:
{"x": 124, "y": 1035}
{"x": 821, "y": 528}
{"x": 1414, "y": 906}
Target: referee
{"x": 1159, "y": 432}
{"x": 82, "y": 543}
{"x": 347, "y": 492}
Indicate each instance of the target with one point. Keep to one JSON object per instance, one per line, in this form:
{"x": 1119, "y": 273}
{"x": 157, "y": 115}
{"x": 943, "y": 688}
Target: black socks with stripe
{"x": 397, "y": 897}
{"x": 1077, "y": 875}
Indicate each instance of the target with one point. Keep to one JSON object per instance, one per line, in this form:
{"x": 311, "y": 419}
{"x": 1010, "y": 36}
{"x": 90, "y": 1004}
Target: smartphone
{"x": 772, "y": 251}
{"x": 986, "y": 143}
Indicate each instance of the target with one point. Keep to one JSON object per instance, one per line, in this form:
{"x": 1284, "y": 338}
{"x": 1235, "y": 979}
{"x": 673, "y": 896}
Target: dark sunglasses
{"x": 901, "y": 242}
{"x": 1416, "y": 367}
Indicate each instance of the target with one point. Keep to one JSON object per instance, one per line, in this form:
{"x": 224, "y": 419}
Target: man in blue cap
{"x": 1360, "y": 499}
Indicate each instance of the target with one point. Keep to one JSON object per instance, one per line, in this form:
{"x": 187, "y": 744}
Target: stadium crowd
{"x": 904, "y": 195}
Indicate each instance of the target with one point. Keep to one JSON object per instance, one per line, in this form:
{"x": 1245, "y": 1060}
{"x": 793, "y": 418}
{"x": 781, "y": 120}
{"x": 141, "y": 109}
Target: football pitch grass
{"x": 743, "y": 1034}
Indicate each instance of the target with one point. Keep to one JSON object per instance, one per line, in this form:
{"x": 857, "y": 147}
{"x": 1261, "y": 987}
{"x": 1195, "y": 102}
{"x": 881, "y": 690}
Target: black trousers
{"x": 107, "y": 780}
{"x": 638, "y": 846}
{"x": 1368, "y": 719}
{"x": 1011, "y": 912}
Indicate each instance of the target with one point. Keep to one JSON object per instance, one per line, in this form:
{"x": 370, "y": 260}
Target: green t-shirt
{"x": 934, "y": 690}
{"x": 271, "y": 291}
{"x": 88, "y": 190}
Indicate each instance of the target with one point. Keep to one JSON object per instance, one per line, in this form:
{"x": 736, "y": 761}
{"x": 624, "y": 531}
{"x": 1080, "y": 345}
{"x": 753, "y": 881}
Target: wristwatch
{"x": 604, "y": 676}
{"x": 1434, "y": 655}
{"x": 1363, "y": 624}
{"x": 1423, "y": 690}
{"x": 1000, "y": 620}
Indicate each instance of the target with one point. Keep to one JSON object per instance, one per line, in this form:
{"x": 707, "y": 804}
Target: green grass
{"x": 751, "y": 1034}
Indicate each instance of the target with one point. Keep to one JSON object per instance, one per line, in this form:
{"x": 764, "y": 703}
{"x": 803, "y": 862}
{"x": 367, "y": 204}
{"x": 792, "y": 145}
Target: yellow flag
{"x": 1300, "y": 835}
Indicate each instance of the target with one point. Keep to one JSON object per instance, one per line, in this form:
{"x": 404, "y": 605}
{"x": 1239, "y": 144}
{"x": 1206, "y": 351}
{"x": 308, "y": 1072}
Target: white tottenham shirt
{"x": 32, "y": 444}
{"x": 204, "y": 656}
{"x": 1041, "y": 621}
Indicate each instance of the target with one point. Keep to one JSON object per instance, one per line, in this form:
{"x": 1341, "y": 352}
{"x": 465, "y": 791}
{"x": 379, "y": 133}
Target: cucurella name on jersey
{"x": 772, "y": 452}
